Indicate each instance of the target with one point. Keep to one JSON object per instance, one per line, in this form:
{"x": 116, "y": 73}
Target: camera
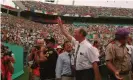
{"x": 8, "y": 53}
{"x": 34, "y": 65}
{"x": 6, "y": 57}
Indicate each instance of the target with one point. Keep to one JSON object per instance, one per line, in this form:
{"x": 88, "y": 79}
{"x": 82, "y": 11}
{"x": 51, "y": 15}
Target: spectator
{"x": 81, "y": 51}
{"x": 63, "y": 65}
{"x": 7, "y": 61}
{"x": 117, "y": 57}
{"x": 59, "y": 49}
{"x": 92, "y": 11}
{"x": 34, "y": 73}
{"x": 130, "y": 50}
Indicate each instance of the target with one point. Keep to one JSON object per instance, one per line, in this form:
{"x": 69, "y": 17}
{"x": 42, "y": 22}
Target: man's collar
{"x": 66, "y": 53}
{"x": 82, "y": 41}
{"x": 118, "y": 43}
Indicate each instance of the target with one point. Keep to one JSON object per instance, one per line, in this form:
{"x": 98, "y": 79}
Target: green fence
{"x": 18, "y": 54}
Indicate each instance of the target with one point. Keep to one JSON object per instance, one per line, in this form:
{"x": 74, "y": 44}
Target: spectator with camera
{"x": 34, "y": 66}
{"x": 33, "y": 56}
{"x": 7, "y": 61}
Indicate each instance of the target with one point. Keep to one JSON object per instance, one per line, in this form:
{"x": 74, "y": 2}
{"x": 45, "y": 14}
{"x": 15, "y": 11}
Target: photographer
{"x": 34, "y": 67}
{"x": 33, "y": 56}
{"x": 7, "y": 61}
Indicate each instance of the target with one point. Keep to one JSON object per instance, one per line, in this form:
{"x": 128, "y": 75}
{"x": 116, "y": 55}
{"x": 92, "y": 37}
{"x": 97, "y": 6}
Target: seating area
{"x": 26, "y": 34}
{"x": 78, "y": 10}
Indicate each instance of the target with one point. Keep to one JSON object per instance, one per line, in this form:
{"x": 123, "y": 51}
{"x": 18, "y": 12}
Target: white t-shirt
{"x": 86, "y": 54}
{"x": 130, "y": 47}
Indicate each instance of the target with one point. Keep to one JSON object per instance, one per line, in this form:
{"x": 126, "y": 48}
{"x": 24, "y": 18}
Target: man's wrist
{"x": 116, "y": 72}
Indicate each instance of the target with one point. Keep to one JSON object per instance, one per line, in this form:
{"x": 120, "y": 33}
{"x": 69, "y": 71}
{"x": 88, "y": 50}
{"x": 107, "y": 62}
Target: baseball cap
{"x": 122, "y": 32}
{"x": 50, "y": 39}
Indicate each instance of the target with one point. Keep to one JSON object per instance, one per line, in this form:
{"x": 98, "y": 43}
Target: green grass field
{"x": 23, "y": 76}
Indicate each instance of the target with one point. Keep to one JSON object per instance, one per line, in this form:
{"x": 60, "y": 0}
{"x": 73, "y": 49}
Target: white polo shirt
{"x": 86, "y": 54}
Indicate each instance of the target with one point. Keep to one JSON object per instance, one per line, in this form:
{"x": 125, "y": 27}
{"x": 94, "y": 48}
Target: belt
{"x": 84, "y": 69}
{"x": 124, "y": 72}
{"x": 66, "y": 75}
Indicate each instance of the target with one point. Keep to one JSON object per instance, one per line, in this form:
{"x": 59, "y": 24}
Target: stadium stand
{"x": 24, "y": 30}
{"x": 83, "y": 11}
{"x": 18, "y": 33}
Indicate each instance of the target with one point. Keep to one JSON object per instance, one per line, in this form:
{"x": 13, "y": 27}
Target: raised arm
{"x": 66, "y": 34}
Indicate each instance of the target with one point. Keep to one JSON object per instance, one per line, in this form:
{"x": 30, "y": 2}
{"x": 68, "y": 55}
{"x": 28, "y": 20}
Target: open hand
{"x": 59, "y": 21}
{"x": 118, "y": 76}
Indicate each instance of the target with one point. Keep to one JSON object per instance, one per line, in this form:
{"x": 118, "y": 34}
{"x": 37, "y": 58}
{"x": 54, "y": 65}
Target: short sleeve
{"x": 109, "y": 53}
{"x": 92, "y": 55}
{"x": 97, "y": 51}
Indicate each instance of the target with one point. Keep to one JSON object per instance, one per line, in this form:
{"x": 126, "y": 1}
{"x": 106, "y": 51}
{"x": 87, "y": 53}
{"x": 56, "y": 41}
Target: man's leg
{"x": 88, "y": 74}
{"x": 78, "y": 75}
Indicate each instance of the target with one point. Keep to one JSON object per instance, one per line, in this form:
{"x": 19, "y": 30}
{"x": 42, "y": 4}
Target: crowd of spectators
{"x": 25, "y": 32}
{"x": 78, "y": 10}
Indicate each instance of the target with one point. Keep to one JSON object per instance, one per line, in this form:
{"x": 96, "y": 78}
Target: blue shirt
{"x": 63, "y": 65}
